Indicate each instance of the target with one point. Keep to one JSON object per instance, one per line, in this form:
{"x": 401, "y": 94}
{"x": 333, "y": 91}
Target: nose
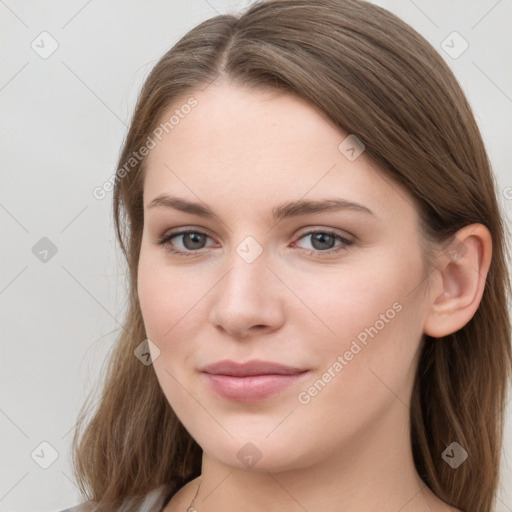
{"x": 248, "y": 300}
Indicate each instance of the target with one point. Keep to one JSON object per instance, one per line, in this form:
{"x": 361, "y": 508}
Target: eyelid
{"x": 168, "y": 235}
{"x": 347, "y": 241}
{"x": 319, "y": 229}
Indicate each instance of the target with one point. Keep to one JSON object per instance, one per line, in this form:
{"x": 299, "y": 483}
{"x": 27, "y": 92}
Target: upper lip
{"x": 255, "y": 367}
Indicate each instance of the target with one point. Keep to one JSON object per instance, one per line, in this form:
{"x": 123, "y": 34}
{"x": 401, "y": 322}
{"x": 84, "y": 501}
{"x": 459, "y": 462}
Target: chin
{"x": 257, "y": 454}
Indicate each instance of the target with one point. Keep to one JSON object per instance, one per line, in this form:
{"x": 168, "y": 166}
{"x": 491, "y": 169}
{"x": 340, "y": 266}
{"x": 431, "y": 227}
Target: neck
{"x": 373, "y": 471}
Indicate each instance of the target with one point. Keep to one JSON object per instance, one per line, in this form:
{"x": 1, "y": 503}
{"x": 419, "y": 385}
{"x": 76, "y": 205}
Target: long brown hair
{"x": 378, "y": 79}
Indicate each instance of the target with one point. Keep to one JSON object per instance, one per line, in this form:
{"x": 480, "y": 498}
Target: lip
{"x": 250, "y": 381}
{"x": 250, "y": 368}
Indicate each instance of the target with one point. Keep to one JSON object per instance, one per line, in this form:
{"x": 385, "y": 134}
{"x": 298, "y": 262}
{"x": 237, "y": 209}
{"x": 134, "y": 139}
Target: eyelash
{"x": 346, "y": 243}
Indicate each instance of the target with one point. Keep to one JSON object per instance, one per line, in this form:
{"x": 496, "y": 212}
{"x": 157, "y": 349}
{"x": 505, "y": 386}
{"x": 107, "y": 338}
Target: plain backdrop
{"x": 69, "y": 76}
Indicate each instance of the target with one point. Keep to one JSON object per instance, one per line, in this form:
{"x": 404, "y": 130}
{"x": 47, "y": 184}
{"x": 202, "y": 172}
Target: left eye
{"x": 324, "y": 241}
{"x": 193, "y": 241}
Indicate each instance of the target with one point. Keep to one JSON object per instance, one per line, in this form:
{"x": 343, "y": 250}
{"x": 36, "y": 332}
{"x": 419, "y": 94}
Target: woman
{"x": 259, "y": 369}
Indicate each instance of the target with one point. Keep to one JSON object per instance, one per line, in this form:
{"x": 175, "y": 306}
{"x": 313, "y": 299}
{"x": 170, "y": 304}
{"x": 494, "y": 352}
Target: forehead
{"x": 249, "y": 146}
{"x": 234, "y": 121}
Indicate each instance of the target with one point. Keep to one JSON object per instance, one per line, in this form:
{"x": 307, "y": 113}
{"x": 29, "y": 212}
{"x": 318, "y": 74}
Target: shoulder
{"x": 153, "y": 501}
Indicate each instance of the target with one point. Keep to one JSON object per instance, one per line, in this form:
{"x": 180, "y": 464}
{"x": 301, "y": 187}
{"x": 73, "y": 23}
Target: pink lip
{"x": 250, "y": 381}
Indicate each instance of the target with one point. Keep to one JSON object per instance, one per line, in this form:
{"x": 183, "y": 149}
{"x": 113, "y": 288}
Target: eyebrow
{"x": 282, "y": 211}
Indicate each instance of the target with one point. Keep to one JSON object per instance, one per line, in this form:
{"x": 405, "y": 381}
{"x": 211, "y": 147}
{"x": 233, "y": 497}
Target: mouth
{"x": 250, "y": 381}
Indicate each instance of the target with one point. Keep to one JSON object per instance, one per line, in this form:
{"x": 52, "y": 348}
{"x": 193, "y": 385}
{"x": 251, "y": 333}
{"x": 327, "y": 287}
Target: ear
{"x": 463, "y": 269}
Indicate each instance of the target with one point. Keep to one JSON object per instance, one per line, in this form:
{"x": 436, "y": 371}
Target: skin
{"x": 242, "y": 152}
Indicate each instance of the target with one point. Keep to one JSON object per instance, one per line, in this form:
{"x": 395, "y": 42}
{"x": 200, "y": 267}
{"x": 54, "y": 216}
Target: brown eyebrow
{"x": 285, "y": 210}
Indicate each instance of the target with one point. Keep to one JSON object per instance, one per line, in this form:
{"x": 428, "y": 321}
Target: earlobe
{"x": 463, "y": 269}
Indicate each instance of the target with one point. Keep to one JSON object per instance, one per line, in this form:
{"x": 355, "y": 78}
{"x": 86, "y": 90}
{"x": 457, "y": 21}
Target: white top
{"x": 154, "y": 501}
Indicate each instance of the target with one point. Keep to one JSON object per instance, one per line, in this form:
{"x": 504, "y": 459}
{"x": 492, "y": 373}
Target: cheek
{"x": 352, "y": 301}
{"x": 370, "y": 359}
{"x": 152, "y": 297}
{"x": 165, "y": 295}
{"x": 164, "y": 303}
{"x": 371, "y": 315}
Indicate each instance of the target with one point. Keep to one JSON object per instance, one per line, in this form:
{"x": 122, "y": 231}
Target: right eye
{"x": 192, "y": 241}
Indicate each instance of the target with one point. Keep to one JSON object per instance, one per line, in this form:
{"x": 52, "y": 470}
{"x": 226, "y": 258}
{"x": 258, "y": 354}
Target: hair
{"x": 378, "y": 79}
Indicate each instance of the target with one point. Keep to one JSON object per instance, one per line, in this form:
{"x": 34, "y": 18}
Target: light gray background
{"x": 63, "y": 122}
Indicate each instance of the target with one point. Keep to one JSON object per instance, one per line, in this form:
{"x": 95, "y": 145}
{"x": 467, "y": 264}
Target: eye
{"x": 192, "y": 240}
{"x": 323, "y": 242}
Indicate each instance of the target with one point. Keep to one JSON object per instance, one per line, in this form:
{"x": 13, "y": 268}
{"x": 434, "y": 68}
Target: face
{"x": 333, "y": 295}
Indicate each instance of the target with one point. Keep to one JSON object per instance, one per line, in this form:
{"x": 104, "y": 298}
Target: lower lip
{"x": 251, "y": 388}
